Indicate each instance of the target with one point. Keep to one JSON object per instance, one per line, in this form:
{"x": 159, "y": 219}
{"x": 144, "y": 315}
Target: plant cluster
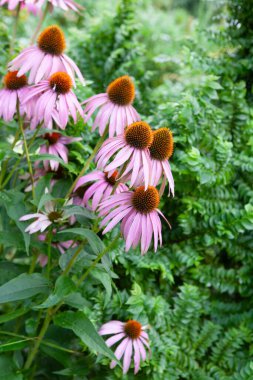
{"x": 87, "y": 173}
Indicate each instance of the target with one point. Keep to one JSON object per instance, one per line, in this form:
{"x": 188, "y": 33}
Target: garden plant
{"x": 126, "y": 190}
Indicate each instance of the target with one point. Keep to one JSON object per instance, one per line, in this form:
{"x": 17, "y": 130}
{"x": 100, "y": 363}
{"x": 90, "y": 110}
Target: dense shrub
{"x": 196, "y": 291}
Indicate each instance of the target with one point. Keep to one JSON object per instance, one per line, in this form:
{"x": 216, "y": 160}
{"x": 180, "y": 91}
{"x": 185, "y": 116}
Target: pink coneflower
{"x": 31, "y": 8}
{"x": 46, "y": 58}
{"x": 12, "y": 4}
{"x": 160, "y": 151}
{"x": 101, "y": 188}
{"x": 62, "y": 246}
{"x": 56, "y": 145}
{"x": 139, "y": 215}
{"x": 42, "y": 219}
{"x": 132, "y": 152}
{"x": 133, "y": 337}
{"x": 115, "y": 107}
{"x": 42, "y": 260}
{"x": 54, "y": 100}
{"x": 63, "y": 4}
{"x": 15, "y": 88}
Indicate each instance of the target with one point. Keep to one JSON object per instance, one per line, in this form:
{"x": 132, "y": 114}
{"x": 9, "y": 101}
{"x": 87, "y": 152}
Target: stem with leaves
{"x": 95, "y": 262}
{"x": 51, "y": 311}
{"x": 20, "y": 123}
{"x": 19, "y": 160}
{"x": 49, "y": 251}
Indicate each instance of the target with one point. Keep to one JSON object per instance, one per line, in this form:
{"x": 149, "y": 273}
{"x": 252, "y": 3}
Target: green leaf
{"x": 13, "y": 201}
{"x": 41, "y": 185}
{"x": 14, "y": 345}
{"x": 44, "y": 199}
{"x": 84, "y": 329}
{"x": 8, "y": 369}
{"x": 76, "y": 300}
{"x": 22, "y": 287}
{"x": 9, "y": 270}
{"x": 78, "y": 210}
{"x": 105, "y": 279}
{"x": 12, "y": 315}
{"x": 63, "y": 287}
{"x": 94, "y": 241}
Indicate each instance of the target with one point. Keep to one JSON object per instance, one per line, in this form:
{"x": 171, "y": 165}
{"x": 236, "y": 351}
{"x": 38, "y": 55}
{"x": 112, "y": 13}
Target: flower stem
{"x": 42, "y": 333}
{"x": 18, "y": 161}
{"x": 87, "y": 164}
{"x": 15, "y": 28}
{"x": 5, "y": 163}
{"x": 41, "y": 20}
{"x": 72, "y": 260}
{"x": 20, "y": 123}
{"x": 52, "y": 311}
{"x": 49, "y": 251}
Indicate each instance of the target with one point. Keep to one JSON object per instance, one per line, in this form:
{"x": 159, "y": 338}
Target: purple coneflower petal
{"x": 127, "y": 356}
{"x": 120, "y": 351}
{"x": 114, "y": 339}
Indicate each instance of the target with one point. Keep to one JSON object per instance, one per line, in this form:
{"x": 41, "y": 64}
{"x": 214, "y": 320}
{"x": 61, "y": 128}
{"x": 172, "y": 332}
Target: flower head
{"x": 42, "y": 219}
{"x": 56, "y": 145}
{"x": 15, "y": 88}
{"x": 101, "y": 188}
{"x": 133, "y": 342}
{"x": 160, "y": 151}
{"x": 63, "y": 4}
{"x": 139, "y": 216}
{"x": 132, "y": 152}
{"x": 46, "y": 58}
{"x": 115, "y": 107}
{"x": 12, "y": 4}
{"x": 54, "y": 100}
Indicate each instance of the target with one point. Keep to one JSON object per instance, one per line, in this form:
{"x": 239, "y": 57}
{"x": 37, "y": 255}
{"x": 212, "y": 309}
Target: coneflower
{"x": 15, "y": 88}
{"x": 46, "y": 58}
{"x": 102, "y": 187}
{"x": 160, "y": 152}
{"x": 132, "y": 152}
{"x": 139, "y": 216}
{"x": 54, "y": 100}
{"x": 63, "y": 4}
{"x": 115, "y": 107}
{"x": 56, "y": 145}
{"x": 133, "y": 341}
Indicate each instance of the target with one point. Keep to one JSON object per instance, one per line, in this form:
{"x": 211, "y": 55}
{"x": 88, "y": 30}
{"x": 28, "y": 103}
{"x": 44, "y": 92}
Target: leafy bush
{"x": 195, "y": 292}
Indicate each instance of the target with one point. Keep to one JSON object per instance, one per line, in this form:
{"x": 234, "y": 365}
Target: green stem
{"x": 18, "y": 161}
{"x": 5, "y": 163}
{"x": 15, "y": 28}
{"x": 40, "y": 23}
{"x": 72, "y": 260}
{"x": 20, "y": 123}
{"x": 52, "y": 311}
{"x": 36, "y": 346}
{"x": 87, "y": 164}
{"x": 49, "y": 251}
{"x": 33, "y": 263}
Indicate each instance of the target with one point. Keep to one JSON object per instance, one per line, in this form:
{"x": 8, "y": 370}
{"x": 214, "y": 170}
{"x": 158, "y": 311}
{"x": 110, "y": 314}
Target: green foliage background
{"x": 193, "y": 70}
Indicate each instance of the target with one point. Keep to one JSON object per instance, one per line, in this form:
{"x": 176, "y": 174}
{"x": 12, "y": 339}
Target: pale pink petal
{"x": 114, "y": 339}
{"x": 127, "y": 356}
